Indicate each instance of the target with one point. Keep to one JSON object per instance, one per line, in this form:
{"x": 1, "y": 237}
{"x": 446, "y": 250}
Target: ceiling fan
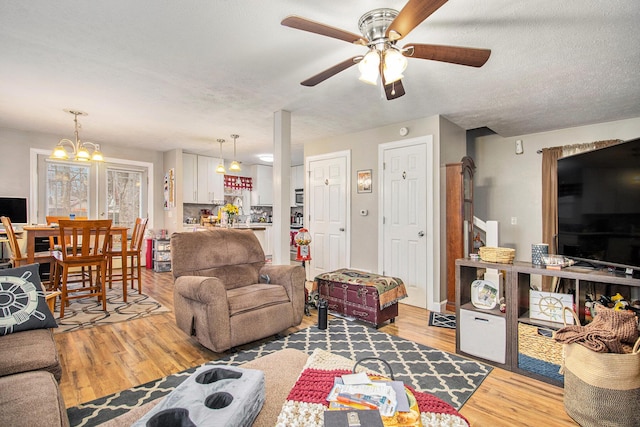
{"x": 385, "y": 61}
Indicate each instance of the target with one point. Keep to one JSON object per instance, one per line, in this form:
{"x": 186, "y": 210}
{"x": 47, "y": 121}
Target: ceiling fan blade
{"x": 304, "y": 24}
{"x": 394, "y": 90}
{"x": 456, "y": 55}
{"x": 330, "y": 72}
{"x": 411, "y": 15}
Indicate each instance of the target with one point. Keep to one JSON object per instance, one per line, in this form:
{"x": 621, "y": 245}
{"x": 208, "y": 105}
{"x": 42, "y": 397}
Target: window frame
{"x": 37, "y": 214}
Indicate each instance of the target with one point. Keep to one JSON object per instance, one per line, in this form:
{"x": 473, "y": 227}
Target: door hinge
{"x": 383, "y": 220}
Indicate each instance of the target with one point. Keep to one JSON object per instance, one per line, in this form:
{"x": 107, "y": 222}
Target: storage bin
{"x": 538, "y": 342}
{"x": 538, "y": 352}
{"x": 163, "y": 256}
{"x": 161, "y": 266}
{"x": 483, "y": 335}
{"x": 163, "y": 245}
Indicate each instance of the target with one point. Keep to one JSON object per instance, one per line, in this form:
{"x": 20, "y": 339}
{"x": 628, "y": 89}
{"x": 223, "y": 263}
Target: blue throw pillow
{"x": 22, "y": 303}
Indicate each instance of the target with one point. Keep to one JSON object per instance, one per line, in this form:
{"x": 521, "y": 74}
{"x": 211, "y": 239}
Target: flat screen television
{"x": 15, "y": 208}
{"x": 599, "y": 206}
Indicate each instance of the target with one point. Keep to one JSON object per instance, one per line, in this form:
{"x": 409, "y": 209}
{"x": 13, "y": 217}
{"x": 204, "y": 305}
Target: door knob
{"x": 421, "y": 233}
{"x": 341, "y": 229}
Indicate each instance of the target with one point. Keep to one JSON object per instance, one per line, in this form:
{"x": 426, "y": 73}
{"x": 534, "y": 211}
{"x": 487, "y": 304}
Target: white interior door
{"x": 404, "y": 230}
{"x": 327, "y": 213}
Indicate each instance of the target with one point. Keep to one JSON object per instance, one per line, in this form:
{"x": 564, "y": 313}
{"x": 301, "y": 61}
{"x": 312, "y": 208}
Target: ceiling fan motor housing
{"x": 373, "y": 24}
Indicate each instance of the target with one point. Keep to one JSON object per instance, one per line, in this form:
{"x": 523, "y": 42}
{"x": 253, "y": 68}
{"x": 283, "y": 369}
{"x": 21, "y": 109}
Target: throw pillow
{"x": 22, "y": 303}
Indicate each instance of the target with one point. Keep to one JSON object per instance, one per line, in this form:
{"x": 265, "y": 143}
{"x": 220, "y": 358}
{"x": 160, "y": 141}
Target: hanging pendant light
{"x": 234, "y": 166}
{"x": 220, "y": 169}
{"x": 79, "y": 149}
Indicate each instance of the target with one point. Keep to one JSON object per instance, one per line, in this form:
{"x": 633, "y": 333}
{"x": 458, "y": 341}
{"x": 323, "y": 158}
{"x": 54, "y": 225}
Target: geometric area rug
{"x": 85, "y": 313}
{"x": 448, "y": 376}
{"x": 442, "y": 320}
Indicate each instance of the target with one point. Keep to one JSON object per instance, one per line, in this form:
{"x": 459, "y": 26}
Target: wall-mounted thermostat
{"x": 404, "y": 131}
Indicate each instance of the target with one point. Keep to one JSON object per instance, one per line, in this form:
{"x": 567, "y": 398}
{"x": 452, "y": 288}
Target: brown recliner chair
{"x": 225, "y": 295}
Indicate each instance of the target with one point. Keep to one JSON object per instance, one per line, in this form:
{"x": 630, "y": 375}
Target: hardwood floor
{"x": 105, "y": 359}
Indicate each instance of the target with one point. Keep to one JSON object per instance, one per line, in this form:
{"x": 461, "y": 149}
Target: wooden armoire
{"x": 459, "y": 220}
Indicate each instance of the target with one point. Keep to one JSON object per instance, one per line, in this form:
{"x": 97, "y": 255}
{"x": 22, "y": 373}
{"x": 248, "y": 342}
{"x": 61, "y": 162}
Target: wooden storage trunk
{"x": 356, "y": 300}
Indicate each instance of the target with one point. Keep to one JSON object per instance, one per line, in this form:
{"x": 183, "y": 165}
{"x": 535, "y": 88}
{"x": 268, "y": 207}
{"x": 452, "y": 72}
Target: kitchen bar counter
{"x": 251, "y": 226}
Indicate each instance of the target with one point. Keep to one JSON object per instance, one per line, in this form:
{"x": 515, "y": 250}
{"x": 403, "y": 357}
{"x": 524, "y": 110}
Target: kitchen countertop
{"x": 250, "y": 226}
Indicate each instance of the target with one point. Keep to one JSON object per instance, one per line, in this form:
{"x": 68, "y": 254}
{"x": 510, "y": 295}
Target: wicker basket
{"x": 493, "y": 254}
{"x": 534, "y": 343}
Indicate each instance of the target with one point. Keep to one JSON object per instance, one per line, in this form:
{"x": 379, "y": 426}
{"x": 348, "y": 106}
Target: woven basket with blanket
{"x": 602, "y": 369}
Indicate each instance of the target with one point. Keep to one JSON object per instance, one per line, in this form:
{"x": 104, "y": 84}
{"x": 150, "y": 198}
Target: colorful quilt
{"x": 307, "y": 402}
{"x": 390, "y": 289}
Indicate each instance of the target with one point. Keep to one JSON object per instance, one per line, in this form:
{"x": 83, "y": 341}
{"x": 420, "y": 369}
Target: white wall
{"x": 507, "y": 185}
{"x": 450, "y": 142}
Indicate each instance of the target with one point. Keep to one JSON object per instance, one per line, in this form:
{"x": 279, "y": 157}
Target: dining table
{"x": 35, "y": 231}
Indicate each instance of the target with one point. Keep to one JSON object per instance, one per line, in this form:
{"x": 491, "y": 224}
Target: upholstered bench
{"x": 369, "y": 297}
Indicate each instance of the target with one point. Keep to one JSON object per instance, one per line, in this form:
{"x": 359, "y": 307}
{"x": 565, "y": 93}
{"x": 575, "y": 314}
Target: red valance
{"x": 238, "y": 182}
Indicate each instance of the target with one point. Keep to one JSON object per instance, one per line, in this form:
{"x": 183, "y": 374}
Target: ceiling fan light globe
{"x": 371, "y": 79}
{"x": 391, "y": 77}
{"x": 369, "y": 67}
{"x": 394, "y": 64}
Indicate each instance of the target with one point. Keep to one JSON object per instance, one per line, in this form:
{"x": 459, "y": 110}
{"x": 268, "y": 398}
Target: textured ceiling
{"x": 180, "y": 74}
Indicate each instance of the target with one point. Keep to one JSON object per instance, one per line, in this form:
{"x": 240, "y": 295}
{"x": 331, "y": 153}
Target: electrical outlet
{"x": 514, "y": 220}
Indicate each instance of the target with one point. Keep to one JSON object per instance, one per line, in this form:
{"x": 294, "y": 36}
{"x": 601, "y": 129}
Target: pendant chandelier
{"x": 234, "y": 166}
{"x": 79, "y": 150}
{"x": 220, "y": 169}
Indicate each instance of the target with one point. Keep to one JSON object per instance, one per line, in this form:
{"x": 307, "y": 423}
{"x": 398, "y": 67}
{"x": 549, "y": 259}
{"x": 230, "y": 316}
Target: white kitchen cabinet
{"x": 262, "y": 194}
{"x": 189, "y": 178}
{"x": 201, "y": 183}
{"x": 210, "y": 183}
{"x": 266, "y": 240}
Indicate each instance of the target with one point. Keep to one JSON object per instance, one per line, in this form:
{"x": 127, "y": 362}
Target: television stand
{"x": 481, "y": 332}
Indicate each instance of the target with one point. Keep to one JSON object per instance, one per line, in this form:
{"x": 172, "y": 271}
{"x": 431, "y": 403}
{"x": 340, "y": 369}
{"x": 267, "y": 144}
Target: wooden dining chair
{"x": 17, "y": 257}
{"x": 134, "y": 250}
{"x": 51, "y": 220}
{"x": 84, "y": 243}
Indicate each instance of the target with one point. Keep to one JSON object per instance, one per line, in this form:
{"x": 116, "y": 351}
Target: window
{"x": 67, "y": 189}
{"x": 124, "y": 196}
{"x": 116, "y": 190}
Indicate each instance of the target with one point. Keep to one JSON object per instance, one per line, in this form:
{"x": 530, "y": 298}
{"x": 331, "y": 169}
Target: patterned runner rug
{"x": 87, "y": 312}
{"x": 442, "y": 320}
{"x": 447, "y": 376}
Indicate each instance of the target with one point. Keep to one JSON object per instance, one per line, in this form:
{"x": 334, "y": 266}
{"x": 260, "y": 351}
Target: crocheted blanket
{"x": 307, "y": 401}
{"x": 390, "y": 289}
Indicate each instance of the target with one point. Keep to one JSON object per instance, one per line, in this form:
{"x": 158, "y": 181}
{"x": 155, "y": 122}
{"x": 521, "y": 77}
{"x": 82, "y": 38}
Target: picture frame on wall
{"x": 365, "y": 181}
